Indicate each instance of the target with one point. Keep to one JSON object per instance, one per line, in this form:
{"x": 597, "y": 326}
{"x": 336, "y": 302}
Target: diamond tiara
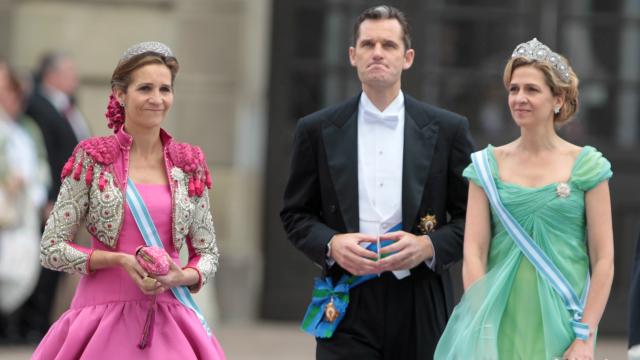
{"x": 147, "y": 46}
{"x": 535, "y": 50}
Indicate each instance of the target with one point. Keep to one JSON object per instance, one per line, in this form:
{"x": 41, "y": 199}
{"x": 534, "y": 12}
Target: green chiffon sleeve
{"x": 471, "y": 173}
{"x": 591, "y": 169}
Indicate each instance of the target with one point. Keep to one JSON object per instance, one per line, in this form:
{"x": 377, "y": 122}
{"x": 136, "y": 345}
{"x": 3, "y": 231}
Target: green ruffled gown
{"x": 512, "y": 312}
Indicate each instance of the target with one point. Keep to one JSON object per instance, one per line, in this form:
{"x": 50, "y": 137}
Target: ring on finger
{"x": 149, "y": 282}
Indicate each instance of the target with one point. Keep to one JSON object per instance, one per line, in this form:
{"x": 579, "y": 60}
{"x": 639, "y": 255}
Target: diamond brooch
{"x": 563, "y": 190}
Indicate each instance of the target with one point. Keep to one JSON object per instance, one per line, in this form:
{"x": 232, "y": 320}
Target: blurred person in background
{"x": 134, "y": 188}
{"x": 52, "y": 106}
{"x": 538, "y": 246}
{"x": 24, "y": 176}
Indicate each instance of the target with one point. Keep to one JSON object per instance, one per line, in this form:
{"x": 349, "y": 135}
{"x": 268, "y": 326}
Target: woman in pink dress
{"x": 119, "y": 310}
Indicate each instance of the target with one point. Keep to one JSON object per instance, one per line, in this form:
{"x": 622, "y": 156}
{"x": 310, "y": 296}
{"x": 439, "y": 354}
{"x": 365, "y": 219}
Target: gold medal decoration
{"x": 330, "y": 312}
{"x": 427, "y": 223}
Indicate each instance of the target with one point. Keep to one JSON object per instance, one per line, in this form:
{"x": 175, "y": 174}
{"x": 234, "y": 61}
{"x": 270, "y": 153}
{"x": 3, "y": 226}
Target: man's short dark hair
{"x": 382, "y": 12}
{"x": 49, "y": 63}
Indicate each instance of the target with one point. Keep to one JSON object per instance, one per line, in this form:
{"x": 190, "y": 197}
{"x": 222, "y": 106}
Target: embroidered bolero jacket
{"x": 94, "y": 181}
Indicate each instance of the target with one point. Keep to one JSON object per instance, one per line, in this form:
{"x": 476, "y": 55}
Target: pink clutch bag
{"x": 153, "y": 260}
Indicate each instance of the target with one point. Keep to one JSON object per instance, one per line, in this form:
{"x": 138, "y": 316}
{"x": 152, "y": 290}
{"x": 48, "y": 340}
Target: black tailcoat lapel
{"x": 341, "y": 145}
{"x": 420, "y": 135}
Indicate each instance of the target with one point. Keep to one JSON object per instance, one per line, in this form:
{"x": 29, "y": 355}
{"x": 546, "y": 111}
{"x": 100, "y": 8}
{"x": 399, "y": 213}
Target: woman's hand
{"x": 177, "y": 276}
{"x": 147, "y": 284}
{"x": 579, "y": 350}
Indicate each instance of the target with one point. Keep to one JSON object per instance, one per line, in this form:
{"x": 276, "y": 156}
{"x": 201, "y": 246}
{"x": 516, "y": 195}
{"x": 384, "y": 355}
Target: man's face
{"x": 379, "y": 54}
{"x": 64, "y": 77}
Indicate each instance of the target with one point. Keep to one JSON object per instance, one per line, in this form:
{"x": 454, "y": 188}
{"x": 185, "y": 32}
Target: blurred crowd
{"x": 39, "y": 128}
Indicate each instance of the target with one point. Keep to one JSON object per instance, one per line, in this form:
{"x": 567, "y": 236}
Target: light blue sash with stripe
{"x": 152, "y": 238}
{"x": 530, "y": 249}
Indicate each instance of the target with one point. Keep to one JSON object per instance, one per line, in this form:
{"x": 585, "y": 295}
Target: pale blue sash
{"x": 530, "y": 249}
{"x": 152, "y": 238}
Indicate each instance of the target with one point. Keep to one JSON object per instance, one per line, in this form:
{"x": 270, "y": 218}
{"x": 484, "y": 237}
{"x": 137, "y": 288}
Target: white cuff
{"x": 431, "y": 263}
{"x": 329, "y": 260}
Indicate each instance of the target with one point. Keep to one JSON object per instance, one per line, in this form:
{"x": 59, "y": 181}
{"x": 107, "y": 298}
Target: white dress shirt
{"x": 380, "y": 159}
{"x": 380, "y": 149}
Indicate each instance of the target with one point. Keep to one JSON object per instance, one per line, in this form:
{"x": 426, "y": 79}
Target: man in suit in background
{"x": 381, "y": 163}
{"x": 52, "y": 106}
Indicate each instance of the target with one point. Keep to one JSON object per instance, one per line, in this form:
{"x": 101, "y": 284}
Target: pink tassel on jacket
{"x": 192, "y": 189}
{"x": 198, "y": 187}
{"x": 88, "y": 178}
{"x": 68, "y": 167}
{"x": 78, "y": 171}
{"x": 102, "y": 182}
{"x": 208, "y": 181}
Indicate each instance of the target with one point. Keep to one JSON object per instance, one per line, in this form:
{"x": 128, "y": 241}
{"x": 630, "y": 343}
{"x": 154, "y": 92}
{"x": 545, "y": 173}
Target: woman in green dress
{"x": 558, "y": 192}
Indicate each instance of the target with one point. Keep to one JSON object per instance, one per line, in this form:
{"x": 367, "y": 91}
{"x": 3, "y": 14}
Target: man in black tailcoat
{"x": 381, "y": 164}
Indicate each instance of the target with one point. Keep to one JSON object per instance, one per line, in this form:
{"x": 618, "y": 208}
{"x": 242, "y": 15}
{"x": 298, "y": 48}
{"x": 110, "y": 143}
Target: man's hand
{"x": 347, "y": 252}
{"x": 408, "y": 251}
